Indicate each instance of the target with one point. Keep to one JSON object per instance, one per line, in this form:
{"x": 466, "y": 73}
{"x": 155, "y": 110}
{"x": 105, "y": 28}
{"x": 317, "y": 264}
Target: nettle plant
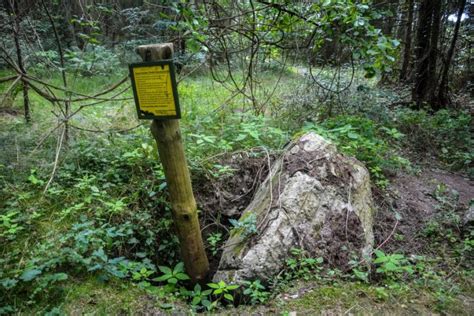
{"x": 255, "y": 290}
{"x": 175, "y": 281}
{"x": 392, "y": 266}
{"x": 172, "y": 276}
{"x": 302, "y": 266}
{"x": 214, "y": 240}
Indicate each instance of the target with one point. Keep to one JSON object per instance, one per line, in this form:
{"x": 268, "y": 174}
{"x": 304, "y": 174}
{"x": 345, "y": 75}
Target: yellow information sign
{"x": 154, "y": 89}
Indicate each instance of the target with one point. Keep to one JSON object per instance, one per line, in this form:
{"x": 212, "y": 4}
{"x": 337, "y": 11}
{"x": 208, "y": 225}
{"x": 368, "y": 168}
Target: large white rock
{"x": 314, "y": 199}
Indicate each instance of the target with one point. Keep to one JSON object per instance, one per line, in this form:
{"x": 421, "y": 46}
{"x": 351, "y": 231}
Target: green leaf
{"x": 165, "y": 270}
{"x": 29, "y": 275}
{"x": 197, "y": 288}
{"x": 229, "y": 297}
{"x": 166, "y": 306}
{"x": 397, "y": 256}
{"x": 196, "y": 300}
{"x": 379, "y": 253}
{"x": 162, "y": 278}
{"x": 218, "y": 291}
{"x": 182, "y": 276}
{"x": 213, "y": 285}
{"x": 352, "y": 135}
{"x": 178, "y": 268}
{"x": 240, "y": 137}
{"x": 232, "y": 287}
{"x": 390, "y": 266}
{"x": 59, "y": 277}
{"x": 380, "y": 260}
{"x": 206, "y": 292}
{"x": 172, "y": 280}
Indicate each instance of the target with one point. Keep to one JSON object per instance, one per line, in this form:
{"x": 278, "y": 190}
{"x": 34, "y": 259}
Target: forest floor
{"x": 416, "y": 198}
{"x": 63, "y": 248}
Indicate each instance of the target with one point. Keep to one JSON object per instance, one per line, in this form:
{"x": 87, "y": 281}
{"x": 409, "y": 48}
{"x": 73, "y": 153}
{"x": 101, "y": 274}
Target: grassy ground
{"x": 87, "y": 244}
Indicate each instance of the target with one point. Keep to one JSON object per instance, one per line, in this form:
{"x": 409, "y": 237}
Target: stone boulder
{"x": 315, "y": 199}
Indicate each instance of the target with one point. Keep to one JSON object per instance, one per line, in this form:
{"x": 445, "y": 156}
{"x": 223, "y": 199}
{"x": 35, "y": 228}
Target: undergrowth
{"x": 105, "y": 216}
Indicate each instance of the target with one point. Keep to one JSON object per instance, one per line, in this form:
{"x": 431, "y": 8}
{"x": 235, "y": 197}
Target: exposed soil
{"x": 225, "y": 197}
{"x": 409, "y": 197}
{"x": 346, "y": 239}
{"x": 413, "y": 198}
{"x": 228, "y": 195}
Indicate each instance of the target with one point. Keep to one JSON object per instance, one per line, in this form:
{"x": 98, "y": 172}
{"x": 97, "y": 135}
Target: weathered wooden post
{"x": 158, "y": 99}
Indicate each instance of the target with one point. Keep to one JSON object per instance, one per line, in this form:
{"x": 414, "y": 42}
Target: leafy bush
{"x": 86, "y": 247}
{"x": 235, "y": 132}
{"x": 446, "y": 134}
{"x": 87, "y": 221}
{"x": 94, "y": 60}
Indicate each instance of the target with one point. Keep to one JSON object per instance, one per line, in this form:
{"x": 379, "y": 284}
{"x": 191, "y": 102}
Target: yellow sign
{"x": 154, "y": 88}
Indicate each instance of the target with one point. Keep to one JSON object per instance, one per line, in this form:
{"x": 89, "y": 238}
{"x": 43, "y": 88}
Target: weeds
{"x": 367, "y": 141}
{"x": 106, "y": 218}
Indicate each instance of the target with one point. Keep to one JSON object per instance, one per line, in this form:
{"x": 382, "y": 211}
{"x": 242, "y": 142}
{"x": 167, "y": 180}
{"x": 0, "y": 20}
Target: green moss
{"x": 116, "y": 297}
{"x": 101, "y": 298}
{"x": 365, "y": 299}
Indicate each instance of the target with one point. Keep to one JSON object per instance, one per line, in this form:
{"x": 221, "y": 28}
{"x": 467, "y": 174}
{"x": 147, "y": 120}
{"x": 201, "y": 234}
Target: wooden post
{"x": 170, "y": 148}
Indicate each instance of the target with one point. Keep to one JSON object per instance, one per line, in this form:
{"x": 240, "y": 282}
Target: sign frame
{"x": 174, "y": 86}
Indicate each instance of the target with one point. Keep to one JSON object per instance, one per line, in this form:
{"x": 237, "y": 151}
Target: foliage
{"x": 245, "y": 226}
{"x": 255, "y": 290}
{"x": 235, "y": 132}
{"x": 446, "y": 227}
{"x": 172, "y": 276}
{"x": 393, "y": 265}
{"x": 95, "y": 60}
{"x": 83, "y": 247}
{"x": 85, "y": 223}
{"x": 366, "y": 140}
{"x": 446, "y": 133}
{"x": 105, "y": 217}
{"x": 347, "y": 23}
{"x": 222, "y": 291}
{"x": 214, "y": 239}
{"x": 302, "y": 266}
{"x": 201, "y": 297}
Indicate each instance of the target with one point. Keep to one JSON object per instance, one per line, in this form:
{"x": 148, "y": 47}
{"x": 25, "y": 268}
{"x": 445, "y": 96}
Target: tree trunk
{"x": 443, "y": 87}
{"x": 69, "y": 32}
{"x": 422, "y": 49}
{"x": 426, "y": 53}
{"x": 407, "y": 41}
{"x": 16, "y": 39}
{"x": 433, "y": 55}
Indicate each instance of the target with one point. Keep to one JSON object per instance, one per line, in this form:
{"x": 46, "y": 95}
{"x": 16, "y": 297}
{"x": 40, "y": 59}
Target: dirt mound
{"x": 223, "y": 197}
{"x": 230, "y": 193}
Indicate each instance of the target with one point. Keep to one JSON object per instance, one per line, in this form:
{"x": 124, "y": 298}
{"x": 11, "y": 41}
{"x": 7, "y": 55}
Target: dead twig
{"x": 56, "y": 159}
